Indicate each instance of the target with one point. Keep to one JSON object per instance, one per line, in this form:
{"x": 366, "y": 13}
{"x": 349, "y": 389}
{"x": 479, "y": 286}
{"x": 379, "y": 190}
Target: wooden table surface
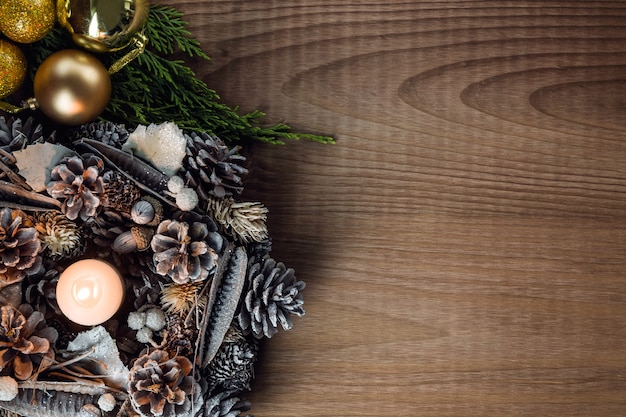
{"x": 464, "y": 242}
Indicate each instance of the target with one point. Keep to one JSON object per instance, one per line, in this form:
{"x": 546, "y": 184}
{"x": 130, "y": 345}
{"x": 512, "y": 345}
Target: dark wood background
{"x": 463, "y": 243}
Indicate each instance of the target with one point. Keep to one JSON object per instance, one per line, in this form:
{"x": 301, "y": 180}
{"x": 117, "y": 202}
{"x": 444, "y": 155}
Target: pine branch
{"x": 157, "y": 88}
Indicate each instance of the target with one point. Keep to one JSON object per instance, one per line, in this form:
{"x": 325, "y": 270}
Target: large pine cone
{"x": 211, "y": 168}
{"x": 25, "y": 341}
{"x": 19, "y": 246}
{"x": 184, "y": 252}
{"x": 274, "y": 294}
{"x": 160, "y": 385}
{"x": 77, "y": 181}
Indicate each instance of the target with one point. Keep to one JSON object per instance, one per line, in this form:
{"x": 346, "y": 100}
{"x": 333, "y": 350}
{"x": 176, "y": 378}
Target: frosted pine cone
{"x": 181, "y": 251}
{"x": 26, "y": 342}
{"x": 160, "y": 385}
{"x": 211, "y": 168}
{"x": 19, "y": 246}
{"x": 16, "y": 134}
{"x": 225, "y": 404}
{"x": 77, "y": 181}
{"x": 274, "y": 294}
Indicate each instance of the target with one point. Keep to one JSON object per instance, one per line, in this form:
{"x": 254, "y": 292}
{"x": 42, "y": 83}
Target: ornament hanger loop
{"x": 139, "y": 45}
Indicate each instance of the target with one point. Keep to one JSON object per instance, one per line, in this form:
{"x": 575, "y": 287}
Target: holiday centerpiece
{"x": 135, "y": 280}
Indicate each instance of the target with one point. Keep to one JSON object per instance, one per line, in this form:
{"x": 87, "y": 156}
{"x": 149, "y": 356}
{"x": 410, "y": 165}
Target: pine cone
{"x": 41, "y": 288}
{"x": 160, "y": 385}
{"x": 243, "y": 221}
{"x": 180, "y": 336}
{"x": 211, "y": 168}
{"x": 19, "y": 246}
{"x": 106, "y": 132}
{"x": 232, "y": 368}
{"x": 26, "y": 341}
{"x": 225, "y": 404}
{"x": 77, "y": 181}
{"x": 120, "y": 193}
{"x": 183, "y": 252}
{"x": 16, "y": 134}
{"x": 273, "y": 296}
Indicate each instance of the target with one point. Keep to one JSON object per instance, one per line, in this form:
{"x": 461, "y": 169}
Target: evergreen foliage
{"x": 157, "y": 88}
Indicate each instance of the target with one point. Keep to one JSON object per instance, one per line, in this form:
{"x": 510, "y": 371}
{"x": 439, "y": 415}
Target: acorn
{"x": 136, "y": 239}
{"x": 148, "y": 211}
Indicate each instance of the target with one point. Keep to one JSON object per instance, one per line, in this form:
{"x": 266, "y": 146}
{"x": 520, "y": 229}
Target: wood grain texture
{"x": 464, "y": 243}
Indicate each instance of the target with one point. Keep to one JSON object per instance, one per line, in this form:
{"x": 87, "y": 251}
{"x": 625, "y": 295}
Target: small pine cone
{"x": 106, "y": 227}
{"x": 274, "y": 294}
{"x": 211, "y": 168}
{"x": 26, "y": 340}
{"x": 232, "y": 368}
{"x": 60, "y": 236}
{"x": 106, "y": 132}
{"x": 120, "y": 193}
{"x": 16, "y": 134}
{"x": 225, "y": 404}
{"x": 185, "y": 252}
{"x": 181, "y": 337}
{"x": 243, "y": 221}
{"x": 41, "y": 288}
{"x": 77, "y": 182}
{"x": 159, "y": 385}
{"x": 19, "y": 246}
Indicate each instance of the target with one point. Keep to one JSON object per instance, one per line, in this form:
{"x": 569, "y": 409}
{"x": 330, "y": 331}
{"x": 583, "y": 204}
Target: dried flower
{"x": 59, "y": 235}
{"x": 181, "y": 298}
{"x": 77, "y": 181}
{"x": 244, "y": 221}
{"x": 25, "y": 341}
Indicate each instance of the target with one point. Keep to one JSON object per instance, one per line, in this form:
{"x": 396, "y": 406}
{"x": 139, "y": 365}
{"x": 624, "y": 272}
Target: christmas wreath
{"x": 134, "y": 280}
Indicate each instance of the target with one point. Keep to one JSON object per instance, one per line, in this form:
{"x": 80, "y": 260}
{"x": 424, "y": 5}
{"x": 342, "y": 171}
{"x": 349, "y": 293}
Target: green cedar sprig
{"x": 157, "y": 87}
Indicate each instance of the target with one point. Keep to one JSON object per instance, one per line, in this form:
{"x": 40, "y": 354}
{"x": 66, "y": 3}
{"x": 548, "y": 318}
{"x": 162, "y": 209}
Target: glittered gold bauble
{"x": 102, "y": 25}
{"x": 72, "y": 87}
{"x": 26, "y": 21}
{"x": 12, "y": 68}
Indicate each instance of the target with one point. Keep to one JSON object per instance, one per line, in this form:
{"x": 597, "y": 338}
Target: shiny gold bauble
{"x": 26, "y": 21}
{"x": 12, "y": 68}
{"x": 102, "y": 25}
{"x": 72, "y": 87}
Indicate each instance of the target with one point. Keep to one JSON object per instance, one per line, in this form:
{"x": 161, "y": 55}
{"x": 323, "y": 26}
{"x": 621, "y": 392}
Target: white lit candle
{"x": 89, "y": 292}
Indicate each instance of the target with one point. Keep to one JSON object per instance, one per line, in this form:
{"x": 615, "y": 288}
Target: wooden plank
{"x": 463, "y": 243}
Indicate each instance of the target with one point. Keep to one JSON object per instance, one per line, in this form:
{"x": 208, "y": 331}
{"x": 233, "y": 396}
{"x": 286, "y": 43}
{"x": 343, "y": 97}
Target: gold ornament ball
{"x": 26, "y": 21}
{"x": 12, "y": 68}
{"x": 102, "y": 25}
{"x": 72, "y": 87}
